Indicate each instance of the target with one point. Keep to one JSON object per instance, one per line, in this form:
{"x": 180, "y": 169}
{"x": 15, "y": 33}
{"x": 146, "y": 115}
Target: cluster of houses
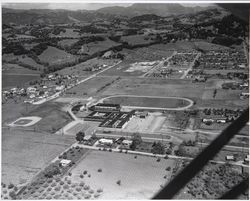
{"x": 48, "y": 87}
{"x": 183, "y": 58}
{"x": 220, "y": 115}
{"x": 222, "y": 59}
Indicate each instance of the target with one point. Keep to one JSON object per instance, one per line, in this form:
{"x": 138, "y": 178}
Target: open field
{"x": 80, "y": 69}
{"x": 53, "y": 55}
{"x": 144, "y": 101}
{"x": 206, "y": 46}
{"x": 175, "y": 88}
{"x": 24, "y": 153}
{"x": 141, "y": 178}
{"x": 98, "y": 46}
{"x": 67, "y": 42}
{"x": 92, "y": 86}
{"x": 15, "y": 80}
{"x": 153, "y": 87}
{"x": 135, "y": 39}
{"x": 68, "y": 33}
{"x": 29, "y": 61}
{"x": 53, "y": 118}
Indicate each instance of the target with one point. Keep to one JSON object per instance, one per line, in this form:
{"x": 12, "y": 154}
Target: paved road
{"x": 191, "y": 66}
{"x": 227, "y": 146}
{"x": 151, "y": 108}
{"x": 239, "y": 163}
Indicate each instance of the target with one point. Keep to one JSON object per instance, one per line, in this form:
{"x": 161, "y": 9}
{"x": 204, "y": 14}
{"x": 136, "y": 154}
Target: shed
{"x": 65, "y": 162}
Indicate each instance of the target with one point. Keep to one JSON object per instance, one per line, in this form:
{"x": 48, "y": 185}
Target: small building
{"x": 222, "y": 120}
{"x": 87, "y": 137}
{"x": 108, "y": 54}
{"x": 246, "y": 159}
{"x": 65, "y": 162}
{"x": 230, "y": 158}
{"x": 143, "y": 115}
{"x": 31, "y": 90}
{"x": 127, "y": 143}
{"x": 105, "y": 141}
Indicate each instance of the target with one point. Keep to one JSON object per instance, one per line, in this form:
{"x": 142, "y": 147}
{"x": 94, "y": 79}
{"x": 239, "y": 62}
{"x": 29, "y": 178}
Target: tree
{"x": 158, "y": 148}
{"x": 80, "y": 136}
{"x": 51, "y": 171}
{"x": 136, "y": 140}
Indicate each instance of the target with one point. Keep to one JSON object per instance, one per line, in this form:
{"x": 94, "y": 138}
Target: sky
{"x": 74, "y": 6}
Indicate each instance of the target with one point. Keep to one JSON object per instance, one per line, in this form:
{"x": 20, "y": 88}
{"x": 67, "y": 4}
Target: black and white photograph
{"x": 132, "y": 100}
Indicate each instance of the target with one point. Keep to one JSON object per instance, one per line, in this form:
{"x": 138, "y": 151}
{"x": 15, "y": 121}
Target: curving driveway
{"x": 153, "y": 108}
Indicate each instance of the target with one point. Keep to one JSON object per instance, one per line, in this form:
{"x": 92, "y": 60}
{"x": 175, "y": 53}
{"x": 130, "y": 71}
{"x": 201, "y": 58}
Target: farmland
{"x": 26, "y": 152}
{"x": 134, "y": 178}
{"x": 53, "y": 55}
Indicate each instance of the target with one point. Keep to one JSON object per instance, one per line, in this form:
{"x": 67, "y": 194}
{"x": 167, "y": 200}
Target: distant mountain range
{"x": 47, "y": 16}
{"x": 147, "y": 8}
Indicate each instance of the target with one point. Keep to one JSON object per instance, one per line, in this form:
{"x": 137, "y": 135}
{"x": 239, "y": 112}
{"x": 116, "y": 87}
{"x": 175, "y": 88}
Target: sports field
{"x": 144, "y": 101}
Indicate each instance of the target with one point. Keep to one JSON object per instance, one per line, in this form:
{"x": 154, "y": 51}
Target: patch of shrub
{"x": 99, "y": 170}
{"x": 10, "y": 186}
{"x": 91, "y": 191}
{"x": 49, "y": 189}
{"x": 86, "y": 187}
{"x": 89, "y": 175}
{"x": 119, "y": 182}
{"x": 69, "y": 182}
{"x": 158, "y": 159}
{"x": 70, "y": 174}
{"x": 65, "y": 186}
{"x": 81, "y": 176}
{"x": 78, "y": 189}
{"x": 99, "y": 190}
{"x": 96, "y": 195}
{"x": 61, "y": 182}
{"x": 85, "y": 172}
{"x": 168, "y": 168}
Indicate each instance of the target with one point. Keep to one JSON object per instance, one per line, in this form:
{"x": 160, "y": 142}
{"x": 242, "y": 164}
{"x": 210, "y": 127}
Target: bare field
{"x": 140, "y": 177}
{"x": 24, "y": 153}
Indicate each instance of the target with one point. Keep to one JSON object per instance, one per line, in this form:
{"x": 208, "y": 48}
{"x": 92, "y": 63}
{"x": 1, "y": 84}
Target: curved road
{"x": 152, "y": 108}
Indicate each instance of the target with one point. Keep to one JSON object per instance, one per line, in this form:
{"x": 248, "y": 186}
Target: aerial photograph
{"x": 121, "y": 101}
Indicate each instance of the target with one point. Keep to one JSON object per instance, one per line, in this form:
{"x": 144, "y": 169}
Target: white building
{"x": 65, "y": 162}
{"x": 106, "y": 141}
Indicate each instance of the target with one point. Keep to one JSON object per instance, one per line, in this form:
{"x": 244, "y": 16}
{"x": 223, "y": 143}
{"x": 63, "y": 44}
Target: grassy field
{"x": 24, "y": 153}
{"x": 80, "y": 69}
{"x": 29, "y": 61}
{"x": 135, "y": 40}
{"x": 147, "y": 102}
{"x": 67, "y": 42}
{"x": 140, "y": 177}
{"x": 68, "y": 33}
{"x": 156, "y": 87}
{"x": 53, "y": 55}
{"x": 209, "y": 46}
{"x": 53, "y": 118}
{"x": 98, "y": 46}
{"x": 17, "y": 80}
{"x": 92, "y": 86}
